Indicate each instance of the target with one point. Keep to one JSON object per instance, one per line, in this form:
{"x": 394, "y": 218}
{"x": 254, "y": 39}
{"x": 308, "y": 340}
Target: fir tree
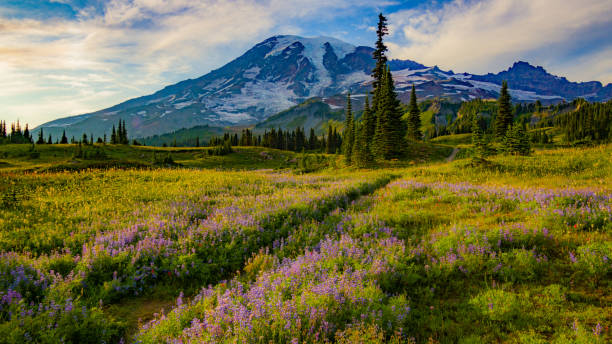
{"x": 377, "y": 139}
{"x": 524, "y": 144}
{"x": 330, "y": 148}
{"x": 379, "y": 53}
{"x": 119, "y": 137}
{"x": 516, "y": 140}
{"x": 26, "y": 134}
{"x": 504, "y": 113}
{"x": 126, "y": 140}
{"x": 41, "y": 139}
{"x": 64, "y": 139}
{"x": 312, "y": 141}
{"x": 337, "y": 142}
{"x": 391, "y": 129}
{"x": 362, "y": 154}
{"x": 378, "y": 74}
{"x": 369, "y": 125}
{"x": 349, "y": 132}
{"x": 113, "y": 136}
{"x": 122, "y": 136}
{"x": 478, "y": 139}
{"x": 50, "y": 140}
{"x": 414, "y": 118}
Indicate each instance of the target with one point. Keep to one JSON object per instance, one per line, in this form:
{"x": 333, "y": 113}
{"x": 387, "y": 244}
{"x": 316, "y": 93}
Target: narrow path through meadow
{"x": 453, "y": 154}
{"x": 149, "y": 306}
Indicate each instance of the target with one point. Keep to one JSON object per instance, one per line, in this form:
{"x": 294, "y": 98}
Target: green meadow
{"x": 155, "y": 245}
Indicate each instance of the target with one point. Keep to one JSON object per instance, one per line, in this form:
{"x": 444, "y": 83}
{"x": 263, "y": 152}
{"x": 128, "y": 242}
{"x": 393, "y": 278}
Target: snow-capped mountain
{"x": 283, "y": 71}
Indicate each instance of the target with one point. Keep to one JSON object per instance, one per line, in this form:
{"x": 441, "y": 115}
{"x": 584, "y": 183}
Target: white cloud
{"x": 134, "y": 47}
{"x": 54, "y": 67}
{"x": 488, "y": 35}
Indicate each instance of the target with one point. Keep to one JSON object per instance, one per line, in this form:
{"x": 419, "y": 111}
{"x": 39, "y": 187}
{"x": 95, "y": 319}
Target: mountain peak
{"x": 284, "y": 70}
{"x": 313, "y": 46}
{"x": 520, "y": 66}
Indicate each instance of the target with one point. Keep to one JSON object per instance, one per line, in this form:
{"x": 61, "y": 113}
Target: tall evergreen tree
{"x": 41, "y": 139}
{"x": 122, "y": 133}
{"x": 364, "y": 131}
{"x": 378, "y": 74}
{"x": 113, "y": 140}
{"x": 126, "y": 140}
{"x": 478, "y": 139}
{"x": 377, "y": 139}
{"x": 337, "y": 141}
{"x": 517, "y": 140}
{"x": 369, "y": 124}
{"x": 330, "y": 148}
{"x": 504, "y": 113}
{"x": 349, "y": 131}
{"x": 379, "y": 53}
{"x": 50, "y": 140}
{"x": 64, "y": 139}
{"x": 390, "y": 137}
{"x": 414, "y": 118}
{"x": 312, "y": 140}
{"x": 26, "y": 134}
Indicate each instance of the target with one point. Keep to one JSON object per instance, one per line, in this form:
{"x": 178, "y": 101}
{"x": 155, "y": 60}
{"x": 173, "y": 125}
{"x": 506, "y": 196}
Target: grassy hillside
{"x": 313, "y": 113}
{"x": 15, "y": 158}
{"x": 185, "y": 137}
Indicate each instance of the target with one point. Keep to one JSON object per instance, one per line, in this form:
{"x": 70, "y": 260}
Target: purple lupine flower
{"x": 597, "y": 330}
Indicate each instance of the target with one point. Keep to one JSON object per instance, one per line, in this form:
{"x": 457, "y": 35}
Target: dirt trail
{"x": 453, "y": 154}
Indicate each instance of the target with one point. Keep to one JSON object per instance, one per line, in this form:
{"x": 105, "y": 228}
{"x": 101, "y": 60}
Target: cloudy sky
{"x": 67, "y": 57}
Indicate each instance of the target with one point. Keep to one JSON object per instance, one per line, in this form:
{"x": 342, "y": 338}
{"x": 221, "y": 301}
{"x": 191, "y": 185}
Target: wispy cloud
{"x": 94, "y": 54}
{"x": 138, "y": 46}
{"x": 488, "y": 35}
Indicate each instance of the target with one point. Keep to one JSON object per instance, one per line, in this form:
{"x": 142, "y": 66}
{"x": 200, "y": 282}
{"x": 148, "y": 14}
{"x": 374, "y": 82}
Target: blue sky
{"x": 66, "y": 57}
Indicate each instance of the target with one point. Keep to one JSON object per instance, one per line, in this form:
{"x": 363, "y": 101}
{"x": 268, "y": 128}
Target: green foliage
{"x": 220, "y": 150}
{"x": 485, "y": 110}
{"x": 192, "y": 137}
{"x": 364, "y": 132}
{"x": 380, "y": 56}
{"x": 589, "y": 122}
{"x": 516, "y": 140}
{"x": 481, "y": 145}
{"x": 390, "y": 135}
{"x": 348, "y": 140}
{"x": 414, "y": 118}
{"x": 505, "y": 116}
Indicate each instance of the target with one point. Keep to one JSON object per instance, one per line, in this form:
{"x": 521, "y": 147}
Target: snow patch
{"x": 358, "y": 77}
{"x": 234, "y": 117}
{"x": 181, "y": 105}
{"x": 251, "y": 73}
